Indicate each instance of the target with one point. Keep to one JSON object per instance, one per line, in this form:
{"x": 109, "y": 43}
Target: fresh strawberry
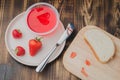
{"x": 34, "y": 46}
{"x": 20, "y": 51}
{"x": 16, "y": 33}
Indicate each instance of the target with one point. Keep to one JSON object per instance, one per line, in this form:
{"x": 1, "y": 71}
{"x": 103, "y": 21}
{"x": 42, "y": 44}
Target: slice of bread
{"x": 101, "y": 44}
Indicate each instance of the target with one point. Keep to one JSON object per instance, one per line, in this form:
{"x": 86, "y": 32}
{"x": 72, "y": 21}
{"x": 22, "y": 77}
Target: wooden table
{"x": 103, "y": 13}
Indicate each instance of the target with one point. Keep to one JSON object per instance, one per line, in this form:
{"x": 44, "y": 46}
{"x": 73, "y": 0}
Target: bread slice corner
{"x": 101, "y": 44}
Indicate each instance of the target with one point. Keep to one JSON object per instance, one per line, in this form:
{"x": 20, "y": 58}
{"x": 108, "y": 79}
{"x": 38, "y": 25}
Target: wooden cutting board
{"x": 80, "y": 60}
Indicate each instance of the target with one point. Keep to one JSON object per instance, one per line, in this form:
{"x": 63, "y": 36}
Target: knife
{"x": 64, "y": 36}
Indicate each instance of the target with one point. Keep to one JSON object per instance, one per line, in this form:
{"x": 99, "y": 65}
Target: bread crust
{"x": 95, "y": 52}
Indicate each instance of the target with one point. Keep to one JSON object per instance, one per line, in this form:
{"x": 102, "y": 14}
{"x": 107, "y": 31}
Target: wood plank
{"x": 2, "y": 47}
{"x": 103, "y": 13}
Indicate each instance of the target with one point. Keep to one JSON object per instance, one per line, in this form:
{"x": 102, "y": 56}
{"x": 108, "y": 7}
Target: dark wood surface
{"x": 102, "y": 13}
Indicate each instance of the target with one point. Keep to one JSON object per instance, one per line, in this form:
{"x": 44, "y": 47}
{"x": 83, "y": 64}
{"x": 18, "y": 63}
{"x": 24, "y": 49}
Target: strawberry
{"x": 16, "y": 33}
{"x": 34, "y": 46}
{"x": 20, "y": 51}
{"x": 44, "y": 18}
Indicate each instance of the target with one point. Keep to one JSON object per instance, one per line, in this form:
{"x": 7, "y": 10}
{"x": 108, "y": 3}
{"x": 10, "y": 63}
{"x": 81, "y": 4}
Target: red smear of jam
{"x": 73, "y": 55}
{"x": 84, "y": 72}
{"x": 87, "y": 62}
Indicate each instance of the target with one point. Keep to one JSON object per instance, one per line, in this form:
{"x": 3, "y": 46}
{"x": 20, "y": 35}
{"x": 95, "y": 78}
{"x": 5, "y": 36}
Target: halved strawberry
{"x": 17, "y": 33}
{"x": 20, "y": 51}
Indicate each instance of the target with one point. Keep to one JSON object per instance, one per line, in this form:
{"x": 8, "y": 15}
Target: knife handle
{"x": 66, "y": 34}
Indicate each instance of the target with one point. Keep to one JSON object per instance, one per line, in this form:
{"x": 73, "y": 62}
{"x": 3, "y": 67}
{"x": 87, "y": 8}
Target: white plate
{"x": 48, "y": 42}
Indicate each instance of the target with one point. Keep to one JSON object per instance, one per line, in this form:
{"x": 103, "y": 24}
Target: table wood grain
{"x": 102, "y": 13}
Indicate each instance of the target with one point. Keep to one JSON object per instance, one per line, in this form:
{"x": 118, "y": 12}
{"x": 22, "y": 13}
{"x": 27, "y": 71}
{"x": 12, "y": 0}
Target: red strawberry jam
{"x": 42, "y": 19}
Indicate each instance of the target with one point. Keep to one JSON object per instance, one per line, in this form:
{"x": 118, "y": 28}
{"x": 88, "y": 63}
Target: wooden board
{"x": 85, "y": 65}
